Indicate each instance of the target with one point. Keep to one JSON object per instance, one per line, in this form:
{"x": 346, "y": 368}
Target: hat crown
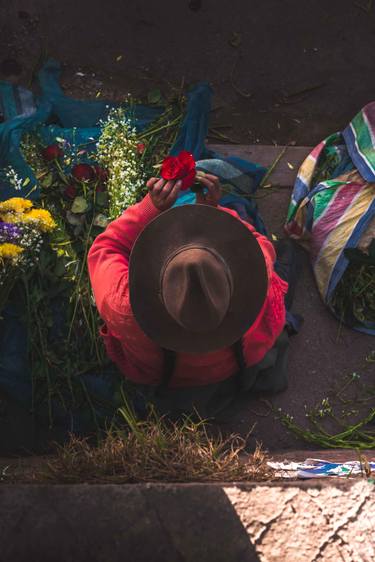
{"x": 162, "y": 313}
{"x": 196, "y": 288}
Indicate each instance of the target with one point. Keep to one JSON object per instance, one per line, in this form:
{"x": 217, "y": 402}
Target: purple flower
{"x": 9, "y": 232}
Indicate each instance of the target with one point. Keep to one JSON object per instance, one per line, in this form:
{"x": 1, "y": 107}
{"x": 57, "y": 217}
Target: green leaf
{"x": 235, "y": 39}
{"x": 80, "y": 205}
{"x": 154, "y": 96}
{"x": 25, "y": 182}
{"x": 47, "y": 180}
{"x": 59, "y": 268}
{"x": 102, "y": 199}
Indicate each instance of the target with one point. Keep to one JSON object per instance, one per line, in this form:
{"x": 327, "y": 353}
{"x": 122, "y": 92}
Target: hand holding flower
{"x": 163, "y": 193}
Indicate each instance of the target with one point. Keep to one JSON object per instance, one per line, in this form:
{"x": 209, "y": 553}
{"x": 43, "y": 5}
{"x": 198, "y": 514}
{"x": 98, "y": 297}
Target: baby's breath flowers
{"x": 118, "y": 152}
{"x": 13, "y": 178}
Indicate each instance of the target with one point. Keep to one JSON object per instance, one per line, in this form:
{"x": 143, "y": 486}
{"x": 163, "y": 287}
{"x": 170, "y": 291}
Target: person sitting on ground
{"x": 194, "y": 311}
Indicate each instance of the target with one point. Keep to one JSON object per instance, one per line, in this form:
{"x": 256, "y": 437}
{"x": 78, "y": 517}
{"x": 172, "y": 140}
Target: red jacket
{"x": 139, "y": 358}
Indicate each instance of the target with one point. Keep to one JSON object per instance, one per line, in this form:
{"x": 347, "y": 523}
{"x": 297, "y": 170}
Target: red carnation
{"x": 101, "y": 173}
{"x": 52, "y": 152}
{"x": 180, "y": 167}
{"x": 70, "y": 192}
{"x": 141, "y": 147}
{"x": 83, "y": 172}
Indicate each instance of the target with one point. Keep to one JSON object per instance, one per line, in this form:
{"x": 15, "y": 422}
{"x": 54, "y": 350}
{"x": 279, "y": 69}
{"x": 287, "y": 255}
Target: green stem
{"x": 272, "y": 167}
{"x": 161, "y": 128}
{"x": 83, "y": 267}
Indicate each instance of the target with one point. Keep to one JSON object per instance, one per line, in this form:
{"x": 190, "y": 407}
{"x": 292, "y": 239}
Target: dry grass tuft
{"x": 156, "y": 450}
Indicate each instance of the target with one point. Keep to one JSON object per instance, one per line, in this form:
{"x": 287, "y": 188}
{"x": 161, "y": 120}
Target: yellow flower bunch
{"x": 15, "y": 205}
{"x": 41, "y": 217}
{"x": 10, "y": 251}
{"x": 19, "y": 210}
{"x": 11, "y": 217}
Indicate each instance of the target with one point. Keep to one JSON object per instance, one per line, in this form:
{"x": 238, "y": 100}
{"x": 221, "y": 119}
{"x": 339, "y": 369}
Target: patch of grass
{"x": 156, "y": 450}
{"x": 342, "y": 420}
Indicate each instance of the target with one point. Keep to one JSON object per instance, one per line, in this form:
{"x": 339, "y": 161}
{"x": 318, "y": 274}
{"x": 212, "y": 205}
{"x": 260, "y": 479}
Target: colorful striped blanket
{"x": 333, "y": 202}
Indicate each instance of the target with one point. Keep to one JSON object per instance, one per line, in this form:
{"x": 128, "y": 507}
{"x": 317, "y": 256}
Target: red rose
{"x": 141, "y": 147}
{"x": 101, "y": 173}
{"x": 70, "y": 192}
{"x": 52, "y": 152}
{"x": 180, "y": 167}
{"x": 83, "y": 172}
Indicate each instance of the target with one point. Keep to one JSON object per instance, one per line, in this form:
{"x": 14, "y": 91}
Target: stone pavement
{"x": 299, "y": 522}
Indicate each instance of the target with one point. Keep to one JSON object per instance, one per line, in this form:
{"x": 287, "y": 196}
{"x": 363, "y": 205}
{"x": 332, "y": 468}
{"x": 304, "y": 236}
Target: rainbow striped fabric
{"x": 333, "y": 200}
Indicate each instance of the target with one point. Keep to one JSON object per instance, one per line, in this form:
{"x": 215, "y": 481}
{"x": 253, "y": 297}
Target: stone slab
{"x": 304, "y": 522}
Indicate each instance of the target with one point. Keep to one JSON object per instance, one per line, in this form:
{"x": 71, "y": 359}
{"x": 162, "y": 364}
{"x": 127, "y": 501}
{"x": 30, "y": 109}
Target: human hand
{"x": 213, "y": 196}
{"x": 163, "y": 193}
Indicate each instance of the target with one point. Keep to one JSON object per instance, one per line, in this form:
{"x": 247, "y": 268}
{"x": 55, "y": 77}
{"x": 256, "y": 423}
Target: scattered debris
{"x": 235, "y": 39}
{"x": 213, "y": 133}
{"x": 299, "y": 95}
{"x": 317, "y": 468}
{"x": 272, "y": 167}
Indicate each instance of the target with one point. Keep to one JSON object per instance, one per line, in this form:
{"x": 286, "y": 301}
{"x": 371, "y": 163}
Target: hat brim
{"x": 204, "y": 226}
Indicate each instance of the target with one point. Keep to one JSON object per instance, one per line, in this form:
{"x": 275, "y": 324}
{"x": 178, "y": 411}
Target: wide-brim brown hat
{"x": 198, "y": 279}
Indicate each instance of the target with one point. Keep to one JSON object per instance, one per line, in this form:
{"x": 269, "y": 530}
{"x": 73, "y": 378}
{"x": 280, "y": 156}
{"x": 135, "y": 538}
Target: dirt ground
{"x": 280, "y": 71}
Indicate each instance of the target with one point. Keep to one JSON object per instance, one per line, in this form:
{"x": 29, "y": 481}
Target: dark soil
{"x": 281, "y": 71}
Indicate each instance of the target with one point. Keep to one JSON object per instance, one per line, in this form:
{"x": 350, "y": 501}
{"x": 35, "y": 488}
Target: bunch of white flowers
{"x": 118, "y": 152}
{"x": 13, "y": 178}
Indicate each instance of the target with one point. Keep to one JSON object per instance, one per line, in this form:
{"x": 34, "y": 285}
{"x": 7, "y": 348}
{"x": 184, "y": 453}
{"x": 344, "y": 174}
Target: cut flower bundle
{"x": 43, "y": 249}
{"x": 22, "y": 228}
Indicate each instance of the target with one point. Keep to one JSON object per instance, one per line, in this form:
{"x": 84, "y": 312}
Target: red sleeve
{"x": 265, "y": 244}
{"x": 108, "y": 261}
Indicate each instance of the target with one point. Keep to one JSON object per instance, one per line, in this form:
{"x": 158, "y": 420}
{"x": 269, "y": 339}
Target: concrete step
{"x": 297, "y": 522}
